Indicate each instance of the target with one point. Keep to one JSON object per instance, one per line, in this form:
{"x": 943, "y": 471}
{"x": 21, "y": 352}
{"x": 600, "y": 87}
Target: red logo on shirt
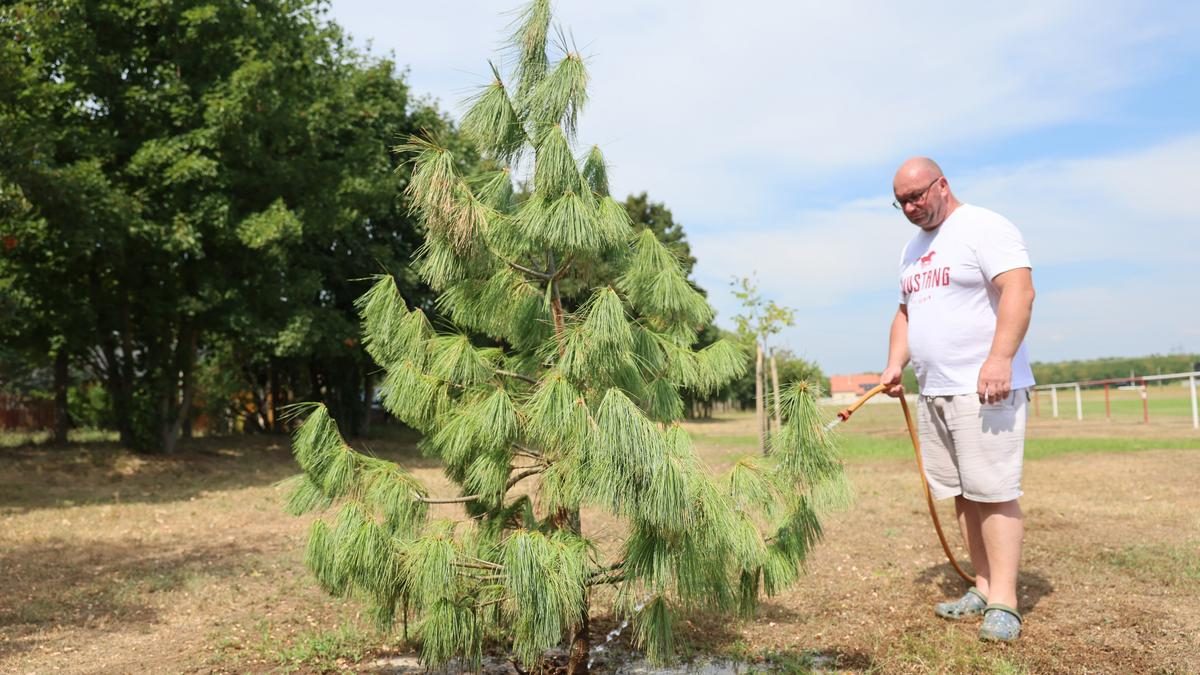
{"x": 927, "y": 259}
{"x": 926, "y": 279}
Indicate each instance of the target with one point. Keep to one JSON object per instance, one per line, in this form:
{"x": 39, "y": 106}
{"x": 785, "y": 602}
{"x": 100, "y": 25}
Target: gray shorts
{"x": 972, "y": 449}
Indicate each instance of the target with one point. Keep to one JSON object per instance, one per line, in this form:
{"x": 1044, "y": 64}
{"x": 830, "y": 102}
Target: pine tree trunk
{"x": 775, "y": 390}
{"x": 569, "y": 519}
{"x": 62, "y": 417}
{"x": 577, "y": 663}
{"x": 577, "y": 653}
{"x": 758, "y": 399}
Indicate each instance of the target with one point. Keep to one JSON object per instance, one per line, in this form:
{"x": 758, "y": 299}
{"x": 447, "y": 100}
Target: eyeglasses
{"x": 901, "y": 202}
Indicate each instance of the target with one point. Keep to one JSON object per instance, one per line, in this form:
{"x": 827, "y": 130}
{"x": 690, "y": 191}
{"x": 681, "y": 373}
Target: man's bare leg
{"x": 1003, "y": 530}
{"x": 969, "y": 524}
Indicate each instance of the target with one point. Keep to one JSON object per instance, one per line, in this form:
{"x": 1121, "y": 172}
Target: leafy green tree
{"x": 193, "y": 185}
{"x": 1114, "y": 367}
{"x": 538, "y": 409}
{"x": 794, "y": 369}
{"x": 53, "y": 206}
{"x": 761, "y": 320}
{"x": 354, "y": 224}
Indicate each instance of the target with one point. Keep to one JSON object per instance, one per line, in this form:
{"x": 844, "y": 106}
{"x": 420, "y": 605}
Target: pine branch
{"x": 522, "y": 476}
{"x": 560, "y": 327}
{"x": 562, "y": 271}
{"x": 449, "y": 500}
{"x": 478, "y": 565}
{"x": 610, "y": 580}
{"x": 518, "y": 376}
{"x": 527, "y": 452}
{"x": 486, "y": 577}
{"x": 531, "y": 272}
{"x": 497, "y": 601}
{"x": 607, "y": 570}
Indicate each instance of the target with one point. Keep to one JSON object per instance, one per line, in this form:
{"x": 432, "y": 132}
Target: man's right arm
{"x": 897, "y": 353}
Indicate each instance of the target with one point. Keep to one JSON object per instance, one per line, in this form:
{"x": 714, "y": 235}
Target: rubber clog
{"x": 1001, "y": 623}
{"x": 970, "y": 604}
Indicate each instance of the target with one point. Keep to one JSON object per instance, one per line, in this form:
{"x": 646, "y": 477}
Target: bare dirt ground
{"x": 114, "y": 563}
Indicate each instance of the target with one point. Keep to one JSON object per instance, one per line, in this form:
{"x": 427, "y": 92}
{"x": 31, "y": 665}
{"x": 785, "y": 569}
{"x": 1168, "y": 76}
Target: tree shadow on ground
{"x": 40, "y": 476}
{"x": 1032, "y": 586}
{"x": 105, "y": 587}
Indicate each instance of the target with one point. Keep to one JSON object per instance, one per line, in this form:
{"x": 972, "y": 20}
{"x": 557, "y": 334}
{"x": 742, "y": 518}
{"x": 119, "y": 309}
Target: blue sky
{"x": 772, "y": 130}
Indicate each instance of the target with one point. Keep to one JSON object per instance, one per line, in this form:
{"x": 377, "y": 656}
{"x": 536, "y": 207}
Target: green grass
{"x": 1125, "y": 405}
{"x": 1159, "y": 563}
{"x": 866, "y": 447}
{"x": 319, "y": 650}
{"x": 860, "y": 447}
{"x": 1039, "y": 448}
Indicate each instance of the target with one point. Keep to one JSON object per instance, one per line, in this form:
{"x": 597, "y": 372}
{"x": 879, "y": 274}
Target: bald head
{"x": 923, "y": 193}
{"x": 919, "y": 168}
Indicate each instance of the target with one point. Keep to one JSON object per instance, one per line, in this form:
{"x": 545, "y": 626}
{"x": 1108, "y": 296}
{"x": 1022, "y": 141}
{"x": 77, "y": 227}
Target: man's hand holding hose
{"x": 891, "y": 378}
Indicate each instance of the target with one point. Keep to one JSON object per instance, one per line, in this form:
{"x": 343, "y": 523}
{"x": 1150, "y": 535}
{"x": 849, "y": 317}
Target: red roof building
{"x": 856, "y": 385}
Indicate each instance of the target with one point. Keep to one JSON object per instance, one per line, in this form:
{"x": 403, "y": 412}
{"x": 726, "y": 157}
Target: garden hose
{"x": 916, "y": 443}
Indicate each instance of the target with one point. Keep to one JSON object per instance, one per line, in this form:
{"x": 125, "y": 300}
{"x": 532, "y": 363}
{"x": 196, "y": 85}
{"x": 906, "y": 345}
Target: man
{"x": 966, "y": 296}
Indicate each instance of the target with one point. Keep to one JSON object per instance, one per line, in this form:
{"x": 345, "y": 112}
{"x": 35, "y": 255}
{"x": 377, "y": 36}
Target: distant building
{"x": 852, "y": 385}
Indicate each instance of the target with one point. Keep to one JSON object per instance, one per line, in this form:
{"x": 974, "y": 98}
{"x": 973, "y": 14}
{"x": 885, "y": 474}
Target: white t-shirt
{"x": 946, "y": 282}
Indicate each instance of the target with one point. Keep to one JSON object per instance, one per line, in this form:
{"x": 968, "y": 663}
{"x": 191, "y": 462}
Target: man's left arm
{"x": 1012, "y": 320}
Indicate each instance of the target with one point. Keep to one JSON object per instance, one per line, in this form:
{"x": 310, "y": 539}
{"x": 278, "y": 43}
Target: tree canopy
{"x": 189, "y": 190}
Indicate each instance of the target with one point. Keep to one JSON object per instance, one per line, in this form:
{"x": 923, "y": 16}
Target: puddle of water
{"x": 699, "y": 667}
{"x": 707, "y": 666}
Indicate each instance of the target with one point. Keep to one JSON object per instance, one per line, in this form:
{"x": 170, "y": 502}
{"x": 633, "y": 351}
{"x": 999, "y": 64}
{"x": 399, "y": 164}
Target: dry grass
{"x": 116, "y": 563}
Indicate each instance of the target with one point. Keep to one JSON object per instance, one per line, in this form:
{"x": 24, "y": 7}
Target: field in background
{"x": 1169, "y": 403}
{"x": 119, "y": 563}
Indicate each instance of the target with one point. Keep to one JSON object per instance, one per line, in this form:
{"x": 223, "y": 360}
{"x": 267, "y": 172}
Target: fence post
{"x": 1145, "y": 404}
{"x": 1107, "y": 405}
{"x": 1195, "y": 410}
{"x": 1054, "y": 402}
{"x": 1078, "y": 403}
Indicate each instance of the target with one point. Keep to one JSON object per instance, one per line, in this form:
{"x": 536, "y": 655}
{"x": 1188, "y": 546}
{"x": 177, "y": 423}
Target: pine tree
{"x": 579, "y": 406}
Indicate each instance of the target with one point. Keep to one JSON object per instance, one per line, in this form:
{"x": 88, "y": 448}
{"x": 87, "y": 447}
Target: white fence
{"x": 1136, "y": 382}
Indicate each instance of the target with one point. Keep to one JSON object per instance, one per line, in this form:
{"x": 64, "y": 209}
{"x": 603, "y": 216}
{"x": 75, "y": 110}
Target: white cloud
{"x": 732, "y": 113}
{"x": 1135, "y": 206}
{"x": 707, "y": 104}
{"x": 1126, "y": 225}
